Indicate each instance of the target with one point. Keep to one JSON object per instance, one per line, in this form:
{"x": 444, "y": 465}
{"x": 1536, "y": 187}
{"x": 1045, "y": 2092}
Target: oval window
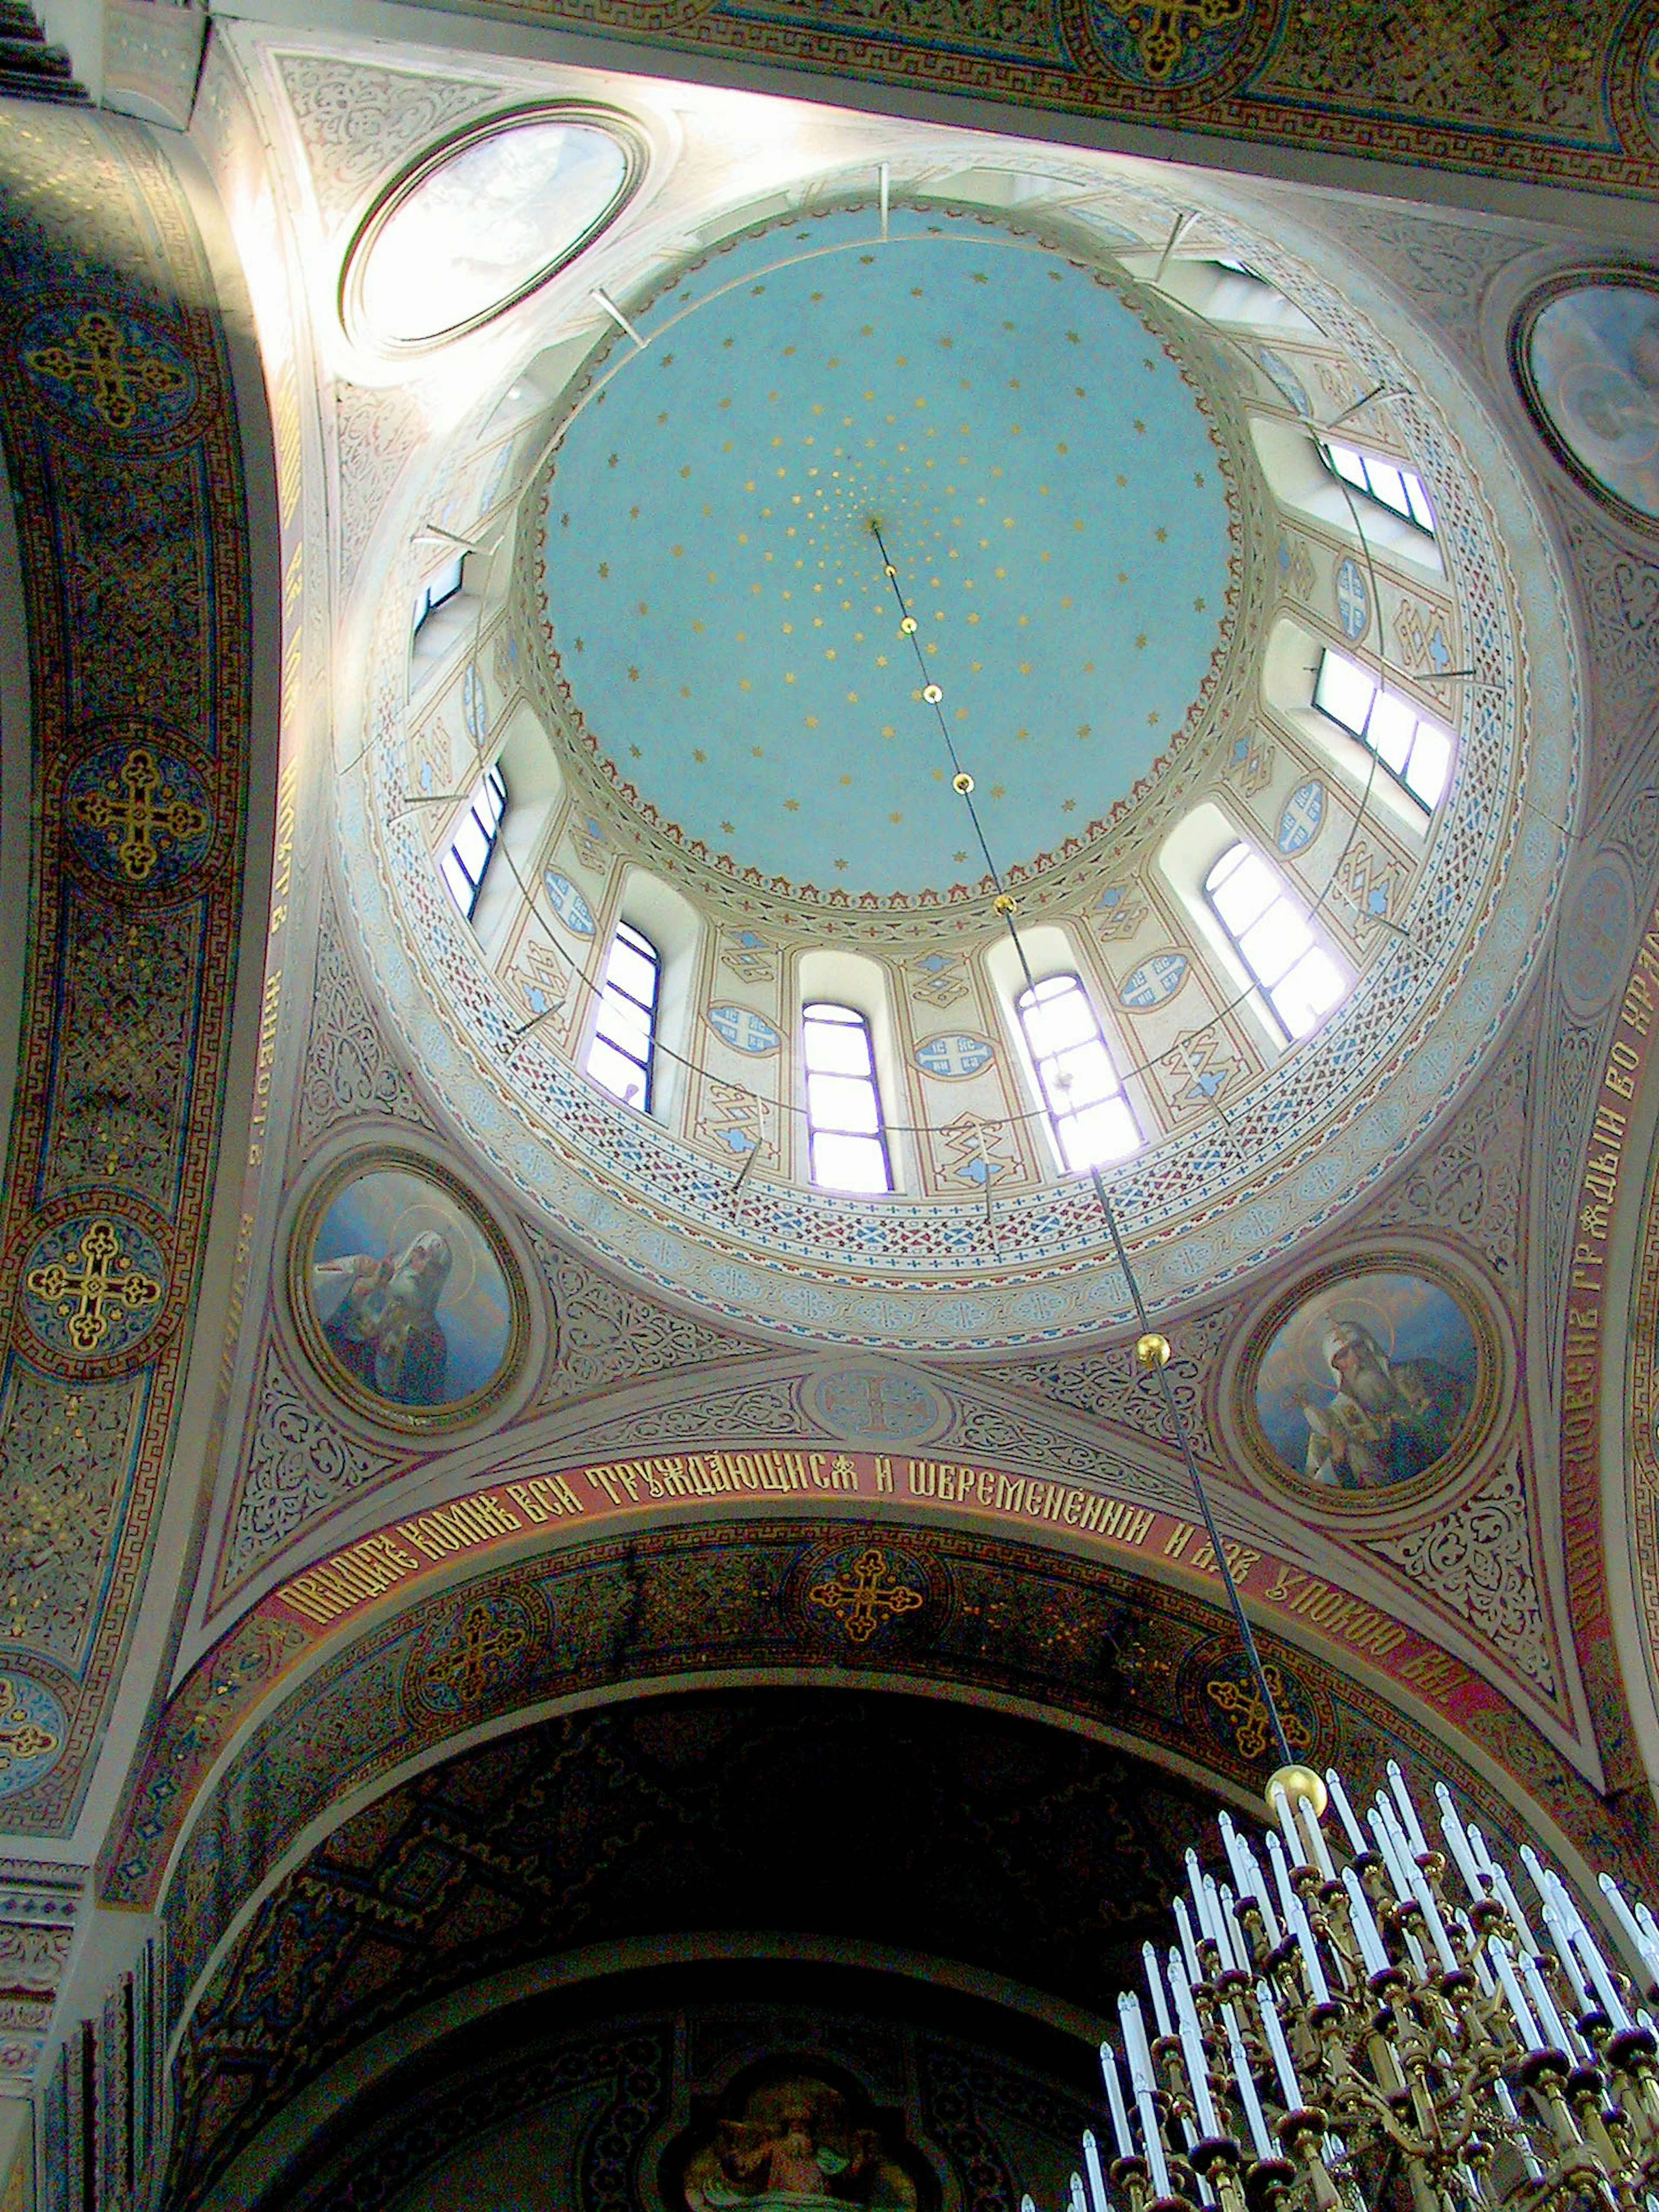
{"x": 477, "y": 226}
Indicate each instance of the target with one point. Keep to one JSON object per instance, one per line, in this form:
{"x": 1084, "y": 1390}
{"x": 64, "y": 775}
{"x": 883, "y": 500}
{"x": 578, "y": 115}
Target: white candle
{"x": 1364, "y": 1928}
{"x": 1140, "y": 2074}
{"x": 1125, "y": 2142}
{"x": 1233, "y": 1952}
{"x": 1155, "y": 1986}
{"x": 1192, "y": 2048}
{"x": 1564, "y": 1951}
{"x": 1305, "y": 1936}
{"x": 1096, "y": 2178}
{"x": 1390, "y": 1849}
{"x": 1612, "y": 2003}
{"x": 1184, "y": 1929}
{"x": 1629, "y": 1927}
{"x": 1316, "y": 1835}
{"x": 1246, "y": 2096}
{"x": 1431, "y": 1912}
{"x": 1345, "y": 1811}
{"x": 1289, "y": 2088}
{"x": 1079, "y": 2202}
{"x": 1285, "y": 1808}
{"x": 1544, "y": 2005}
{"x": 1281, "y": 1877}
{"x": 1451, "y": 1827}
{"x": 1402, "y": 1798}
{"x": 1531, "y": 2037}
{"x": 1250, "y": 1865}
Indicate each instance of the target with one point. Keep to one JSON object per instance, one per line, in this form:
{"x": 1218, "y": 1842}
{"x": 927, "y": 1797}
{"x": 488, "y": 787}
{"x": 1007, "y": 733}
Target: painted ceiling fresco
{"x": 1047, "y": 484}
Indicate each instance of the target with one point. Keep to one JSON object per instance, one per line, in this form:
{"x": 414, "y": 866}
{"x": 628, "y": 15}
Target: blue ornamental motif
{"x": 954, "y": 1057}
{"x": 1285, "y": 380}
{"x": 1353, "y": 601}
{"x": 474, "y": 705}
{"x": 1298, "y": 825}
{"x": 1157, "y": 978}
{"x": 567, "y": 902}
{"x": 743, "y": 1030}
{"x": 1160, "y": 42}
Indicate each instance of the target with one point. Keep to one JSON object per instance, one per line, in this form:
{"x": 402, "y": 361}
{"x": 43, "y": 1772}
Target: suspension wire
{"x": 932, "y": 694}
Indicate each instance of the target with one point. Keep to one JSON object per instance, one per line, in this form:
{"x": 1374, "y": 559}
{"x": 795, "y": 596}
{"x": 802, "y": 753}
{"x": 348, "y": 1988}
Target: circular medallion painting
{"x": 405, "y": 1294}
{"x": 1586, "y": 354}
{"x": 1369, "y": 1380}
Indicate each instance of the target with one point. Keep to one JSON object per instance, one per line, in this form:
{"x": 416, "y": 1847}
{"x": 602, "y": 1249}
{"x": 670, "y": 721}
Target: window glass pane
{"x": 1394, "y": 724}
{"x": 615, "y": 1073}
{"x": 1088, "y": 1069}
{"x": 840, "y": 1163}
{"x": 1101, "y": 1133}
{"x": 1422, "y": 513}
{"x": 837, "y": 1050}
{"x": 460, "y": 884}
{"x": 1344, "y": 691}
{"x": 491, "y": 801}
{"x": 1388, "y": 484}
{"x": 471, "y": 844}
{"x": 1064, "y": 1020}
{"x": 632, "y": 972}
{"x": 1247, "y": 893}
{"x": 1430, "y": 763}
{"x": 842, "y": 1102}
{"x": 625, "y": 1024}
{"x": 1274, "y": 941}
{"x": 1312, "y": 988}
{"x": 1347, "y": 464}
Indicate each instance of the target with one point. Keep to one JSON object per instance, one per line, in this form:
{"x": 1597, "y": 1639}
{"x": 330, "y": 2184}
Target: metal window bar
{"x": 439, "y": 590}
{"x": 1401, "y": 491}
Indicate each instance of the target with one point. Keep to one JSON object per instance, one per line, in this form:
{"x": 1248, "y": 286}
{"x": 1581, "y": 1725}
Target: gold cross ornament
{"x": 470, "y": 1669}
{"x": 102, "y": 367}
{"x": 874, "y": 1590}
{"x": 1161, "y": 28}
{"x": 20, "y": 1737}
{"x": 104, "y": 1279}
{"x": 134, "y": 807}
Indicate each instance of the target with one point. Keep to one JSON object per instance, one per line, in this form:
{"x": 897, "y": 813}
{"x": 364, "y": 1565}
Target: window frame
{"x": 1059, "y": 1104}
{"x": 1329, "y": 448}
{"x": 1283, "y": 894}
{"x": 832, "y": 1013}
{"x": 452, "y": 577}
{"x": 629, "y": 935}
{"x": 492, "y": 783}
{"x": 1330, "y": 655}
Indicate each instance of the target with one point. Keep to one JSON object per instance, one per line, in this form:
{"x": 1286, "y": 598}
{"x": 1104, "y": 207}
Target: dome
{"x": 1146, "y": 512}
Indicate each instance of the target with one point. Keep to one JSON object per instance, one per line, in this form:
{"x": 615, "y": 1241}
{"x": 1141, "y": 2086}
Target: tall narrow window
{"x": 440, "y": 589}
{"x": 1299, "y": 978}
{"x": 1398, "y": 489}
{"x": 622, "y": 1054}
{"x": 473, "y": 840}
{"x": 1091, "y": 1117}
{"x": 1414, "y": 750}
{"x": 843, "y": 1104}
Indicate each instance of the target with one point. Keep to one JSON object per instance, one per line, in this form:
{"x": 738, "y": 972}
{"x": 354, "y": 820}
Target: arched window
{"x": 1091, "y": 1118}
{"x": 843, "y": 1105}
{"x": 473, "y": 840}
{"x": 620, "y": 1058}
{"x": 1298, "y": 977}
{"x": 1398, "y": 489}
{"x": 1409, "y": 745}
{"x": 439, "y": 590}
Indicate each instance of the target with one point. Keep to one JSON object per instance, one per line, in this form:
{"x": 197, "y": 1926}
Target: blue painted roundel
{"x": 1047, "y": 485}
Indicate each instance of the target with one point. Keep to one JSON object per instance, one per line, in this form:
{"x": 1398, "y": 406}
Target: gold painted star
{"x": 958, "y": 856}
{"x": 1140, "y": 641}
{"x": 1197, "y": 606}
{"x": 1067, "y": 806}
{"x": 845, "y": 781}
{"x": 698, "y": 754}
{"x": 1162, "y": 535}
{"x": 1139, "y": 426}
{"x": 792, "y": 807}
{"x": 840, "y": 864}
{"x": 895, "y": 816}
{"x": 730, "y": 828}
{"x": 1085, "y": 729}
{"x": 632, "y": 675}
{"x": 998, "y": 791}
{"x": 759, "y": 751}
{"x": 605, "y": 568}
{"x": 1154, "y": 718}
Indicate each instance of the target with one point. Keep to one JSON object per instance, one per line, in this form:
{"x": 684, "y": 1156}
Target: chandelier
{"x": 1366, "y": 2020}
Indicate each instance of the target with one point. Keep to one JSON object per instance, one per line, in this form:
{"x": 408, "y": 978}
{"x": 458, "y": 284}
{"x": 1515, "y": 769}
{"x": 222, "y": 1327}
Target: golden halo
{"x": 425, "y": 1215}
{"x": 1303, "y": 1350}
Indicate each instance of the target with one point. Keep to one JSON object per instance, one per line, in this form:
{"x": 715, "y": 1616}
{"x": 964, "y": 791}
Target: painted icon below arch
{"x": 1375, "y": 1377}
{"x": 405, "y": 1293}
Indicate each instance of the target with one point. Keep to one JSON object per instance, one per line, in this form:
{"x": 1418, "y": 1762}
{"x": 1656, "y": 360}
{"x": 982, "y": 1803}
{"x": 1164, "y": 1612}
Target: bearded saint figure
{"x": 1390, "y": 1419}
{"x": 384, "y": 1329}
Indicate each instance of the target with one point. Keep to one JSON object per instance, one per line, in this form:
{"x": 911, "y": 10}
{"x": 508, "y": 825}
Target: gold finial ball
{"x": 1152, "y": 1350}
{"x": 963, "y": 782}
{"x": 891, "y": 570}
{"x": 933, "y": 693}
{"x": 908, "y": 625}
{"x": 1298, "y": 1782}
{"x": 1005, "y": 903}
